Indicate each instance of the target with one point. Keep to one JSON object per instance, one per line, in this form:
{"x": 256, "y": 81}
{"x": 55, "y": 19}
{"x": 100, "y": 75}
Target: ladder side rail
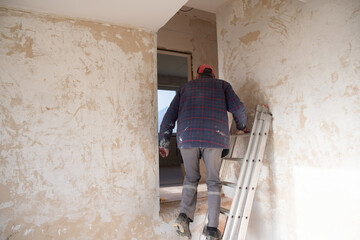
{"x": 234, "y": 205}
{"x": 246, "y": 180}
{"x": 233, "y": 208}
{"x": 244, "y": 221}
{"x": 232, "y": 138}
{"x": 240, "y": 188}
{"x": 239, "y": 211}
{"x": 202, "y": 236}
{"x": 223, "y": 168}
{"x": 225, "y": 164}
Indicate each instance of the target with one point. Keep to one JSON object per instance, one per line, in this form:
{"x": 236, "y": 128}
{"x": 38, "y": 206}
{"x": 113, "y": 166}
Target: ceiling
{"x": 206, "y": 5}
{"x": 146, "y": 14}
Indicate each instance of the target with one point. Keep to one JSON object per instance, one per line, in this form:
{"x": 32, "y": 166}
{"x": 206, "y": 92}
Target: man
{"x": 200, "y": 108}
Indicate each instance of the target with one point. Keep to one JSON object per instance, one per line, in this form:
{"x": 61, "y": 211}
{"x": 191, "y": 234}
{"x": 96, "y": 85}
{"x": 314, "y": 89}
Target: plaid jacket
{"x": 200, "y": 108}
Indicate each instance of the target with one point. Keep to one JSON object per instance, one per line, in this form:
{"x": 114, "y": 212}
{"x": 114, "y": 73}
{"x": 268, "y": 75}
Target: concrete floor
{"x": 173, "y": 193}
{"x": 170, "y": 191}
{"x": 170, "y": 210}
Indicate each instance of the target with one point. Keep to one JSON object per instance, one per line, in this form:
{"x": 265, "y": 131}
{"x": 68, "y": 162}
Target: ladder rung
{"x": 229, "y": 184}
{"x": 234, "y": 159}
{"x": 240, "y": 135}
{"x": 225, "y": 211}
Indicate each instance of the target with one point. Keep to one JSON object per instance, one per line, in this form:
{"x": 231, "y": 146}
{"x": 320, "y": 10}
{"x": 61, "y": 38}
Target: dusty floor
{"x": 170, "y": 210}
{"x": 170, "y": 192}
{"x": 173, "y": 193}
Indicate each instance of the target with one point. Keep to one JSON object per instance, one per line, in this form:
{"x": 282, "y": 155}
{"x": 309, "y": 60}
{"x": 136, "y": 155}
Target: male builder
{"x": 200, "y": 108}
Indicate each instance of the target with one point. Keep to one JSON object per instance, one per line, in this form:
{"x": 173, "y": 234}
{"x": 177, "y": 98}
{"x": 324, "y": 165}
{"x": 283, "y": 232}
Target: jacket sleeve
{"x": 235, "y": 106}
{"x": 168, "y": 122}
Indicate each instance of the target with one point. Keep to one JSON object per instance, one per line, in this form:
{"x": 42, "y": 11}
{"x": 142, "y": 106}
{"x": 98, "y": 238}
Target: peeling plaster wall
{"x": 302, "y": 58}
{"x": 78, "y": 138}
{"x": 193, "y": 32}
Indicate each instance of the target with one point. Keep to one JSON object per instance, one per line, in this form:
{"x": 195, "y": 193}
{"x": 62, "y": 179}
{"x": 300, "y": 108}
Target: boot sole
{"x": 181, "y": 231}
{"x": 179, "y": 227}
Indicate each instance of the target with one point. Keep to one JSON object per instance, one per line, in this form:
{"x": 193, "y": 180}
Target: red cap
{"x": 207, "y": 69}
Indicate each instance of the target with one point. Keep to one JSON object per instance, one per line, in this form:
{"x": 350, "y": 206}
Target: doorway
{"x": 174, "y": 70}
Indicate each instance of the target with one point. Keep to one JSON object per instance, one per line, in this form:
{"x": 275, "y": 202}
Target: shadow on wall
{"x": 251, "y": 95}
{"x": 263, "y": 214}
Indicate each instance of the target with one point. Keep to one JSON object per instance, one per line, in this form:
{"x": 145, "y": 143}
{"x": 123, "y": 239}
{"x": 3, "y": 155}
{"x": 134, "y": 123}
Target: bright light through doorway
{"x": 164, "y": 99}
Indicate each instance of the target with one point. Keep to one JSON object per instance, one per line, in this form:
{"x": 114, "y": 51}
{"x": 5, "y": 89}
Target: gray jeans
{"x": 212, "y": 159}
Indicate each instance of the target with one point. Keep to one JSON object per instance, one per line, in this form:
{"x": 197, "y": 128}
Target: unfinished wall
{"x": 193, "y": 32}
{"x": 78, "y": 130}
{"x": 302, "y": 58}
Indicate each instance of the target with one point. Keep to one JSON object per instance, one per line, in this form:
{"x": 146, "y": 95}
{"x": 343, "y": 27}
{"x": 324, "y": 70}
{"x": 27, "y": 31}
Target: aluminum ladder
{"x": 239, "y": 213}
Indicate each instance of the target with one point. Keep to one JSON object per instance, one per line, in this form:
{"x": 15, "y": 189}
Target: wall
{"x": 302, "y": 58}
{"x": 193, "y": 32}
{"x": 78, "y": 130}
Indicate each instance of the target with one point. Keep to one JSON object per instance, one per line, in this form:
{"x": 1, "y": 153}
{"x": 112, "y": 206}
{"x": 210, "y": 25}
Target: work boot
{"x": 213, "y": 234}
{"x": 181, "y": 225}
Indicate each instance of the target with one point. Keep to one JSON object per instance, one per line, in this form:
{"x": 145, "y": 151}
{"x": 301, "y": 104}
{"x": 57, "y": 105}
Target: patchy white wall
{"x": 78, "y": 130}
{"x": 302, "y": 58}
{"x": 193, "y": 32}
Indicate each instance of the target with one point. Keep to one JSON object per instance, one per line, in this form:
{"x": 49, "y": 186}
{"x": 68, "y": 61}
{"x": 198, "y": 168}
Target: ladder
{"x": 239, "y": 212}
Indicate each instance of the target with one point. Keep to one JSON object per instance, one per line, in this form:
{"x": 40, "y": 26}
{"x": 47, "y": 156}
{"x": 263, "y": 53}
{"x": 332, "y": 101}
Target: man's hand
{"x": 238, "y": 132}
{"x": 164, "y": 152}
